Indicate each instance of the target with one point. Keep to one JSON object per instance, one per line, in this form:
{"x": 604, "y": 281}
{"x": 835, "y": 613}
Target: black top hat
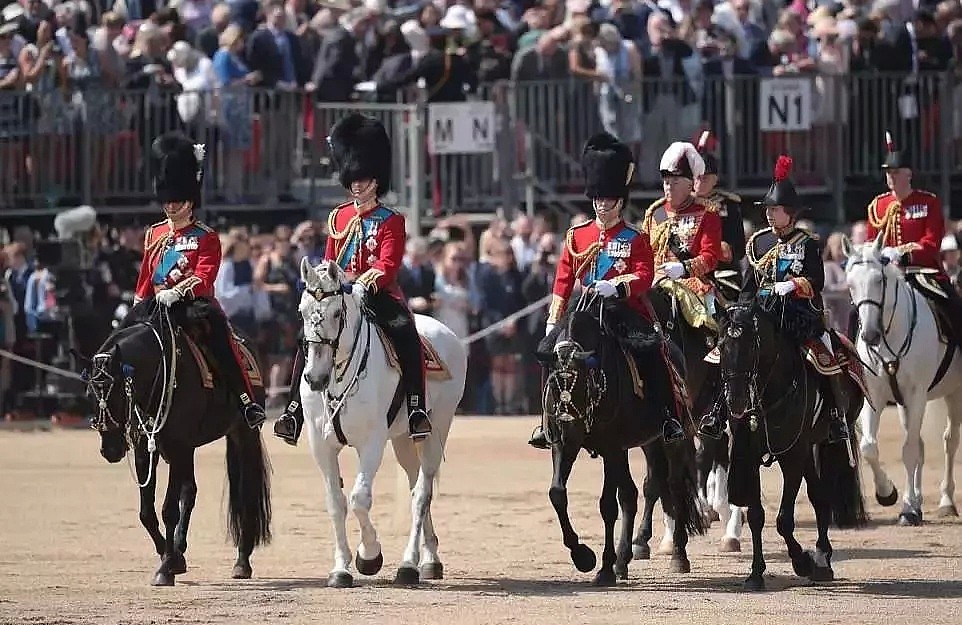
{"x": 608, "y": 166}
{"x": 178, "y": 165}
{"x": 711, "y": 162}
{"x": 361, "y": 150}
{"x": 895, "y": 159}
{"x": 782, "y": 192}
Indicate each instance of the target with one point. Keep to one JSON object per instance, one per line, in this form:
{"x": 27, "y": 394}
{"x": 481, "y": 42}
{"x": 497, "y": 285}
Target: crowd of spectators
{"x": 239, "y": 73}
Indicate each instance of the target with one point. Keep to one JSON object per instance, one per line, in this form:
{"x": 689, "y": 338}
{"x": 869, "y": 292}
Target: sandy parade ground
{"x": 72, "y": 549}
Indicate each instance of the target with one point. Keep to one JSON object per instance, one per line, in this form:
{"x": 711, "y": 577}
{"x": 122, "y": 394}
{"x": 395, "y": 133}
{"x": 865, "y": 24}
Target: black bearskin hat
{"x": 178, "y": 165}
{"x": 782, "y": 192}
{"x": 895, "y": 159}
{"x": 361, "y": 149}
{"x": 608, "y": 165}
{"x": 711, "y": 162}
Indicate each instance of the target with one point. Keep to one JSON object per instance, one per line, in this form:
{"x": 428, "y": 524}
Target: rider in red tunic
{"x": 912, "y": 227}
{"x": 366, "y": 239}
{"x": 607, "y": 254}
{"x": 182, "y": 257}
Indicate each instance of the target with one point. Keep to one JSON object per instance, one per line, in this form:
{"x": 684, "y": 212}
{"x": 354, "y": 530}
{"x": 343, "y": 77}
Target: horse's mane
{"x": 186, "y": 314}
{"x": 618, "y": 322}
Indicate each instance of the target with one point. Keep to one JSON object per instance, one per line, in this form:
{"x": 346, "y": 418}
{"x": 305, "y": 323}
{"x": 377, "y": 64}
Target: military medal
{"x": 796, "y": 266}
{"x": 620, "y": 265}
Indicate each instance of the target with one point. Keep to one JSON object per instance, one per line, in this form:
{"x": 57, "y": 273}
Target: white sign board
{"x": 461, "y": 128}
{"x": 785, "y": 104}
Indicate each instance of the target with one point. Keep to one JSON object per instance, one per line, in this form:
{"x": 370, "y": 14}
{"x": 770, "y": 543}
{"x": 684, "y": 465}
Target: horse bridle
{"x": 750, "y": 374}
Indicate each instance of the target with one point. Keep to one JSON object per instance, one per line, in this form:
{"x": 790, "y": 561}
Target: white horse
{"x": 900, "y": 345}
{"x": 348, "y": 391}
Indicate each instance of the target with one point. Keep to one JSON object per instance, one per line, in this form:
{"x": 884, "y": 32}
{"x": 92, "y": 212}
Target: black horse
{"x": 591, "y": 402}
{"x": 702, "y": 381}
{"x": 149, "y": 395}
{"x": 780, "y": 413}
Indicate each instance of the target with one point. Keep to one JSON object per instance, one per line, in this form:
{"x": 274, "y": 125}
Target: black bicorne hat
{"x": 895, "y": 159}
{"x": 782, "y": 192}
{"x": 608, "y": 166}
{"x": 178, "y": 165}
{"x": 361, "y": 150}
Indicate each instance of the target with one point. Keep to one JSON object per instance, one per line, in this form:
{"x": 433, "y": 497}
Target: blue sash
{"x": 376, "y": 217}
{"x": 618, "y": 248}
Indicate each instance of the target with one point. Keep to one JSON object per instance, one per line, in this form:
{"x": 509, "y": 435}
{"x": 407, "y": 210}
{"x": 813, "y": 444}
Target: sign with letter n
{"x": 785, "y": 104}
{"x": 461, "y": 128}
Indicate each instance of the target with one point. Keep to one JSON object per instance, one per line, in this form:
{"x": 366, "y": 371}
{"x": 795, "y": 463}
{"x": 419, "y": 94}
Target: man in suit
{"x": 275, "y": 52}
{"x": 416, "y": 277}
{"x": 337, "y": 66}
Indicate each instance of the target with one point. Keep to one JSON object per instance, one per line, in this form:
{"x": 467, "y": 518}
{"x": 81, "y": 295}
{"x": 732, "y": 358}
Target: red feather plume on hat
{"x": 783, "y": 168}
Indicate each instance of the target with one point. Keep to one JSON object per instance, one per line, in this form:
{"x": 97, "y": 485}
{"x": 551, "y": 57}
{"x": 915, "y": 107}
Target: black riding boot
{"x": 837, "y": 427}
{"x": 222, "y": 347}
{"x": 714, "y": 422}
{"x": 288, "y": 425}
{"x": 397, "y": 322}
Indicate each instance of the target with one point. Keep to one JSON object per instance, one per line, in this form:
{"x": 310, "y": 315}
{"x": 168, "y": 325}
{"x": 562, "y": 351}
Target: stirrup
{"x": 838, "y": 430}
{"x": 254, "y": 415}
{"x": 539, "y": 440}
{"x": 672, "y": 430}
{"x": 287, "y": 428}
{"x": 419, "y": 425}
{"x": 712, "y": 429}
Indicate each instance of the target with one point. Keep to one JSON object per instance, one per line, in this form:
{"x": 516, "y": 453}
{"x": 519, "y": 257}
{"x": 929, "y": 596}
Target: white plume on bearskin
{"x": 671, "y": 160}
{"x": 75, "y": 221}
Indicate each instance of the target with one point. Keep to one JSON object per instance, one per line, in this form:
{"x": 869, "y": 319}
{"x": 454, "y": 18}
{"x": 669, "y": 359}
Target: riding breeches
{"x": 227, "y": 352}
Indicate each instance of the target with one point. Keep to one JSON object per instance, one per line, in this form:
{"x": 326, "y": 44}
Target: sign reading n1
{"x": 785, "y": 104}
{"x": 461, "y": 128}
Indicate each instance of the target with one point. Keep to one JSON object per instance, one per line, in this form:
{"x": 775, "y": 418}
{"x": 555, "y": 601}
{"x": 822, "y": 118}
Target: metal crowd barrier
{"x": 268, "y": 148}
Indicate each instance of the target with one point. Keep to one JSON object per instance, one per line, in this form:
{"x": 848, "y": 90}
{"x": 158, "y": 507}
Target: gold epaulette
{"x": 728, "y": 195}
{"x": 332, "y": 218}
{"x": 753, "y": 260}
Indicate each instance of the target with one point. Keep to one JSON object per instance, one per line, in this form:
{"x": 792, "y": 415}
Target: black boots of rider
{"x": 288, "y": 425}
{"x": 222, "y": 347}
{"x": 837, "y": 427}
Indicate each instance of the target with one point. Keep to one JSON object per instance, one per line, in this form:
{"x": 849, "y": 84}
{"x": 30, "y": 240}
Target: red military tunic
{"x": 186, "y": 260}
{"x": 620, "y": 254}
{"x": 699, "y": 231}
{"x": 914, "y": 226}
{"x": 368, "y": 246}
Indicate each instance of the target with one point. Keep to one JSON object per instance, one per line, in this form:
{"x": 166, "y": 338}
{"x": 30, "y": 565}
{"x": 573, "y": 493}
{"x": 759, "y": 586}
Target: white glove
{"x": 168, "y": 297}
{"x": 673, "y": 270}
{"x": 548, "y": 328}
{"x": 784, "y": 288}
{"x": 892, "y": 254}
{"x": 605, "y": 288}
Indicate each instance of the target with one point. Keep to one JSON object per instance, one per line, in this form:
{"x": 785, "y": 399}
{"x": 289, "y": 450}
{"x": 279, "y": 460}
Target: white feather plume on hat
{"x": 672, "y": 159}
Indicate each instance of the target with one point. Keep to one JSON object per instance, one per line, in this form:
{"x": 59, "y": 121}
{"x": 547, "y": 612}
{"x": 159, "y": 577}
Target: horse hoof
{"x": 432, "y": 570}
{"x": 340, "y": 579}
{"x": 605, "y": 577}
{"x": 369, "y": 567}
{"x": 945, "y": 512}
{"x": 407, "y": 576}
{"x": 163, "y": 578}
{"x": 242, "y": 570}
{"x": 730, "y": 545}
{"x": 621, "y": 570}
{"x": 910, "y": 519}
{"x": 177, "y": 564}
{"x": 803, "y": 565}
{"x": 755, "y": 583}
{"x": 822, "y": 574}
{"x": 641, "y": 551}
{"x": 679, "y": 564}
{"x": 584, "y": 558}
{"x": 665, "y": 549}
{"x": 889, "y": 500}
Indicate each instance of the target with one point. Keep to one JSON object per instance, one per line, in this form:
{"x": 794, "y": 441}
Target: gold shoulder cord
{"x": 890, "y": 224}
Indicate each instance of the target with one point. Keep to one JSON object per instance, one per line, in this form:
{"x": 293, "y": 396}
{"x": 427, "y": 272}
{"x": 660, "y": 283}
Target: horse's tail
{"x": 673, "y": 466}
{"x": 838, "y": 464}
{"x": 248, "y": 475}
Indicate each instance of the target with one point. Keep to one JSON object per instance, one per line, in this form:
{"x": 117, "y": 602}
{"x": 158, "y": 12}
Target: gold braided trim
{"x": 556, "y": 308}
{"x": 570, "y": 243}
{"x": 186, "y": 286}
{"x": 369, "y": 279}
{"x": 727, "y": 195}
{"x": 803, "y": 288}
{"x": 889, "y": 224}
{"x": 696, "y": 267}
{"x": 908, "y": 248}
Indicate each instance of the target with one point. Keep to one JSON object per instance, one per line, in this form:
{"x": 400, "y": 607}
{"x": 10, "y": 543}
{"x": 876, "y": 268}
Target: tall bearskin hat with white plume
{"x": 782, "y": 192}
{"x": 681, "y": 159}
{"x": 178, "y": 165}
{"x": 895, "y": 158}
{"x": 608, "y": 166}
{"x": 361, "y": 150}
